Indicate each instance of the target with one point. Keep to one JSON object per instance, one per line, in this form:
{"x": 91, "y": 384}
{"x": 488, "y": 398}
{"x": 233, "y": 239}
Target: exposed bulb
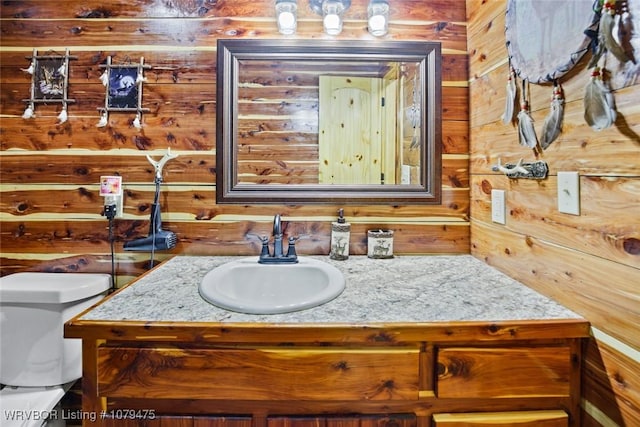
{"x": 332, "y": 20}
{"x": 286, "y": 17}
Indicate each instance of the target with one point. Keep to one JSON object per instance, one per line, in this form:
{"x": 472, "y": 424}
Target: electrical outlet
{"x": 569, "y": 192}
{"x": 111, "y": 190}
{"x": 498, "y": 207}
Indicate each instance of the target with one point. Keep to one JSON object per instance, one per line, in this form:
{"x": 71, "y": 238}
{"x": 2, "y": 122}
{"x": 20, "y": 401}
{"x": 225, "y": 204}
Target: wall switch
{"x": 569, "y": 192}
{"x": 498, "y": 207}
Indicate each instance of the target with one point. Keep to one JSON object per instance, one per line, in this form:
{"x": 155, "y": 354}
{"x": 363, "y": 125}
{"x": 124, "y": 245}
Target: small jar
{"x": 380, "y": 244}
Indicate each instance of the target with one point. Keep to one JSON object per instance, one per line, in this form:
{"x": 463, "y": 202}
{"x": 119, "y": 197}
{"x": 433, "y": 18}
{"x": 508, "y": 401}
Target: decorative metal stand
{"x": 49, "y": 82}
{"x": 529, "y": 170}
{"x": 124, "y": 90}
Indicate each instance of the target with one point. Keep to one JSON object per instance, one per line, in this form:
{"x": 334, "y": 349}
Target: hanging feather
{"x": 62, "y": 117}
{"x": 607, "y": 22}
{"x": 510, "y": 100}
{"x": 599, "y": 105}
{"x": 31, "y": 68}
{"x": 526, "y": 130}
{"x": 136, "y": 122}
{"x": 104, "y": 120}
{"x": 104, "y": 78}
{"x": 606, "y": 39}
{"x": 29, "y": 112}
{"x": 552, "y": 125}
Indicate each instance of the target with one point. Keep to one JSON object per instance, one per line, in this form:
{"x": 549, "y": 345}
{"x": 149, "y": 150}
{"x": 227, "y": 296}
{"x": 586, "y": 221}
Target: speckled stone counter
{"x": 402, "y": 289}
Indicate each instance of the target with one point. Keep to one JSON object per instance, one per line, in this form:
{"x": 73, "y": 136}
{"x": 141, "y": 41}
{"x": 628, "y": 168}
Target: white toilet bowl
{"x": 37, "y": 365}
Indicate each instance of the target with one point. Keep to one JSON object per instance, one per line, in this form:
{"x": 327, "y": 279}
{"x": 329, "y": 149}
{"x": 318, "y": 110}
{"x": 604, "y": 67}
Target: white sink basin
{"x": 248, "y": 287}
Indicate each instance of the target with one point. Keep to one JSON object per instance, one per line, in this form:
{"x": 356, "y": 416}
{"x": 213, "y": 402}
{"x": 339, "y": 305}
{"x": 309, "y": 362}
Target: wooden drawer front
{"x": 554, "y": 418}
{"x": 258, "y": 374}
{"x": 503, "y": 372}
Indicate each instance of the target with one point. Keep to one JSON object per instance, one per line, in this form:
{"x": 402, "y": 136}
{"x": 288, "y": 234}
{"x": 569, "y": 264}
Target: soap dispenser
{"x": 340, "y": 234}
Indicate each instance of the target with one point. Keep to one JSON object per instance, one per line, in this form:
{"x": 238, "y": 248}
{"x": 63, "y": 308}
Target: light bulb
{"x": 286, "y": 17}
{"x": 332, "y": 21}
{"x": 378, "y": 12}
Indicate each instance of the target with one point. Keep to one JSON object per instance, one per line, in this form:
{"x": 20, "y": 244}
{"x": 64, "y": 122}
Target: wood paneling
{"x": 50, "y": 208}
{"x": 590, "y": 263}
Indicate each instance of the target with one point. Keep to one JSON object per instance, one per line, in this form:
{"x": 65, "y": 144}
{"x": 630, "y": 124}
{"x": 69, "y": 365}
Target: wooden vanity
{"x": 267, "y": 371}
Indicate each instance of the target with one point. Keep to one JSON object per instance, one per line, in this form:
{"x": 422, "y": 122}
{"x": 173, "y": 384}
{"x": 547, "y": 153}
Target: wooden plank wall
{"x": 50, "y": 208}
{"x": 590, "y": 263}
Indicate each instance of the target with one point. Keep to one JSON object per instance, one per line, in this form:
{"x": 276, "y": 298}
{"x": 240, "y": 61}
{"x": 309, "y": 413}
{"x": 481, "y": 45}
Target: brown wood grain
{"x": 572, "y": 278}
{"x": 612, "y": 380}
{"x": 258, "y": 374}
{"x": 509, "y": 372}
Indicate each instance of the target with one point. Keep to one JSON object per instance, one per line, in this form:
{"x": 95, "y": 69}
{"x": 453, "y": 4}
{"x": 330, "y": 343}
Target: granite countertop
{"x": 403, "y": 289}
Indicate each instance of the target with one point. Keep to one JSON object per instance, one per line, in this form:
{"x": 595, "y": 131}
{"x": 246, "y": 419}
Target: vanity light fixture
{"x": 286, "y": 15}
{"x": 331, "y": 11}
{"x": 378, "y": 14}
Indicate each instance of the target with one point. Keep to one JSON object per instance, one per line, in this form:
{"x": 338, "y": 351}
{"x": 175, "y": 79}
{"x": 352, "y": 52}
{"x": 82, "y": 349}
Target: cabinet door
{"x": 178, "y": 421}
{"x": 469, "y": 372}
{"x": 394, "y": 420}
{"x": 258, "y": 374}
{"x": 553, "y": 418}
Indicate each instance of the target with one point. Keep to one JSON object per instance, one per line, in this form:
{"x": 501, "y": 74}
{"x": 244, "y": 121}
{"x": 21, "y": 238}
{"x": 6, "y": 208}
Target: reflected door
{"x": 351, "y": 124}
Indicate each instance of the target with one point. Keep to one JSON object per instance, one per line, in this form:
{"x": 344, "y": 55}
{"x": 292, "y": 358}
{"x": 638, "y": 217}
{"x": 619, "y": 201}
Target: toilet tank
{"x": 33, "y": 310}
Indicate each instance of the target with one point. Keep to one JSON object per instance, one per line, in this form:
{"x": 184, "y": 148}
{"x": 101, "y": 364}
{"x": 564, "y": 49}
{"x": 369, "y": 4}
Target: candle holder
{"x": 380, "y": 244}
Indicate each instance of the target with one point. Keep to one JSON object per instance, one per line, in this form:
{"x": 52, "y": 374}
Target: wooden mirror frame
{"x": 426, "y": 54}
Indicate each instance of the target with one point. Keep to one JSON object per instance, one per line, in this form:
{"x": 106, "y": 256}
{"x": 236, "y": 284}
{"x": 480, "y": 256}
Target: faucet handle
{"x": 291, "y": 250}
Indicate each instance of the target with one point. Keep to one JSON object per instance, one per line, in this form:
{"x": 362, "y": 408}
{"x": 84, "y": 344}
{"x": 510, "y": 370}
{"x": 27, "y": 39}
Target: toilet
{"x": 37, "y": 364}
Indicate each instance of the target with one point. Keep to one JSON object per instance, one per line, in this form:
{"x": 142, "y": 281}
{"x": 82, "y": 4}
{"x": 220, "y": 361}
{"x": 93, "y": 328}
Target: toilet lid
{"x": 37, "y": 287}
{"x": 16, "y": 403}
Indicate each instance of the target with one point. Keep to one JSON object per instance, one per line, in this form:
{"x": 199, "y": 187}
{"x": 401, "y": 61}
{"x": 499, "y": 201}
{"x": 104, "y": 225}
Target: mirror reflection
{"x": 325, "y": 121}
{"x": 315, "y": 122}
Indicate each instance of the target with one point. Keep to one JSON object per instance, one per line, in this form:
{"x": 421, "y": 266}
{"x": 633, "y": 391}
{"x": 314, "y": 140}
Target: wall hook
{"x": 529, "y": 170}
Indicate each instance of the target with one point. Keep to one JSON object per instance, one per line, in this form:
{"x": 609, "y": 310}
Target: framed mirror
{"x": 326, "y": 121}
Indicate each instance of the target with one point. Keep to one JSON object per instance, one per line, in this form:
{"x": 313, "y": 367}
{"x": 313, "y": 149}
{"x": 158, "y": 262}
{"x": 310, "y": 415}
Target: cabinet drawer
{"x": 553, "y": 418}
{"x": 503, "y": 372}
{"x": 258, "y": 374}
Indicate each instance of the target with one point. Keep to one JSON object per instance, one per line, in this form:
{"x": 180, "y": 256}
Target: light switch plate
{"x": 498, "y": 207}
{"x": 569, "y": 192}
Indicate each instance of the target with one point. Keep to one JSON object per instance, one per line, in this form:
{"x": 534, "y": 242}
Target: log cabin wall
{"x": 590, "y": 263}
{"x": 50, "y": 205}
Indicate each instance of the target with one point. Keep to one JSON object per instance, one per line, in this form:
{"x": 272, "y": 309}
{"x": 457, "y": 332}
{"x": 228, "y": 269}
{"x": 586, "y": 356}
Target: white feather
{"x": 510, "y": 99}
{"x": 136, "y": 122}
{"x": 552, "y": 125}
{"x": 605, "y": 35}
{"x": 29, "y": 112}
{"x": 526, "y": 130}
{"x": 599, "y": 105}
{"x": 104, "y": 120}
{"x": 104, "y": 78}
{"x": 62, "y": 117}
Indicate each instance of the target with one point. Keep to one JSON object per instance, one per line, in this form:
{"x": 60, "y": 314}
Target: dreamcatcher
{"x": 540, "y": 54}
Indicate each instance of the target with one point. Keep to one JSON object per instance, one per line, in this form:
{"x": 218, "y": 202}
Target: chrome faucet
{"x": 278, "y": 256}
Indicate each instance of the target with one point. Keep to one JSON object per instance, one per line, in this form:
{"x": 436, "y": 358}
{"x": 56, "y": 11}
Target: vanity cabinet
{"x": 180, "y": 362}
{"x": 332, "y": 375}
